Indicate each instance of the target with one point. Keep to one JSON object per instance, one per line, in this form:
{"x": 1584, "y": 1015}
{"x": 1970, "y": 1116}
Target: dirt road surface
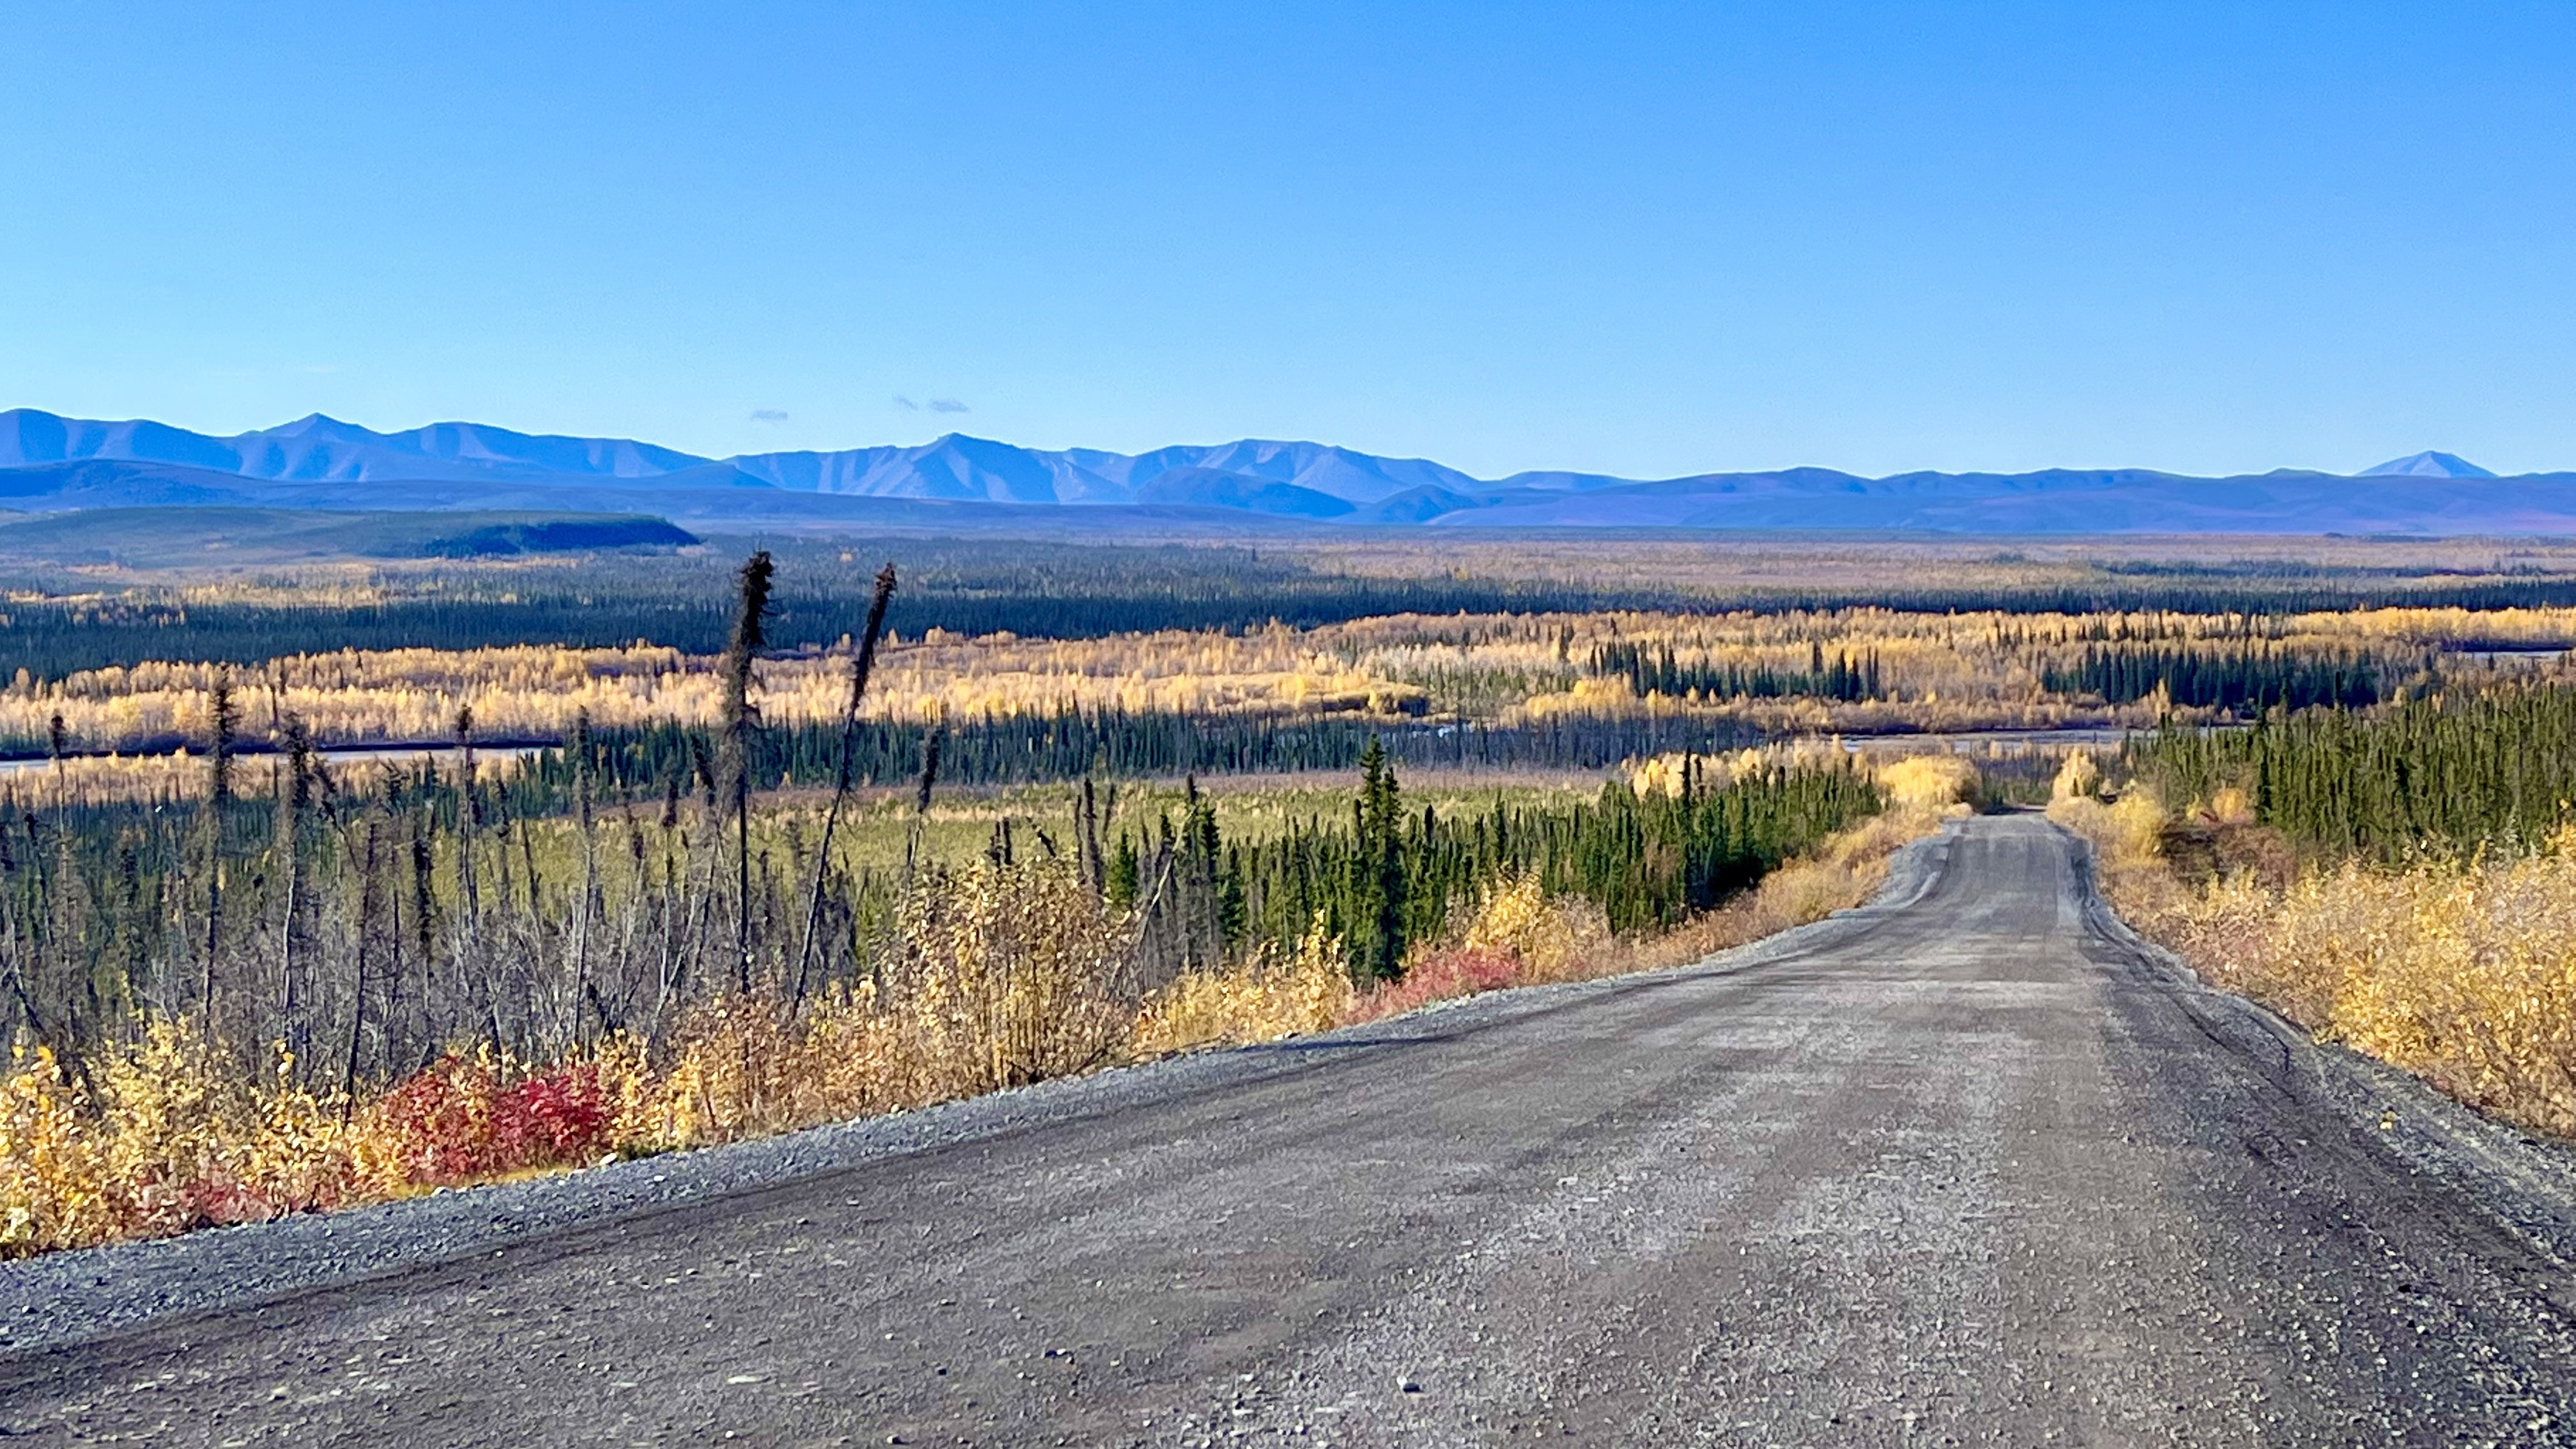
{"x": 1965, "y": 1167}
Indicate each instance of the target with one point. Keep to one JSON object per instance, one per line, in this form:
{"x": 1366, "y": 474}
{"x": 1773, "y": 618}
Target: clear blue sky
{"x": 1640, "y": 239}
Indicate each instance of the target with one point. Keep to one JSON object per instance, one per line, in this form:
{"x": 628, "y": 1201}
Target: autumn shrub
{"x": 157, "y": 1137}
{"x": 1443, "y": 974}
{"x": 2126, "y": 832}
{"x": 1004, "y": 975}
{"x": 1272, "y": 995}
{"x": 1931, "y": 783}
{"x": 2460, "y": 971}
{"x": 2079, "y": 777}
{"x": 1546, "y": 935}
{"x": 742, "y": 1068}
{"x": 465, "y": 1118}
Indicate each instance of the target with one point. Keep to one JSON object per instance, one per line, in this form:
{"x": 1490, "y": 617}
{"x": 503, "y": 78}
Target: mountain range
{"x": 50, "y": 463}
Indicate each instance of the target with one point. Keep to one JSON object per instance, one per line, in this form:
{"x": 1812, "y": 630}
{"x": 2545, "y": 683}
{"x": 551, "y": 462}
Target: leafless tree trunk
{"x": 469, "y": 932}
{"x": 224, "y": 717}
{"x": 859, "y": 669}
{"x": 739, "y": 719}
{"x": 581, "y": 993}
{"x": 367, "y": 908}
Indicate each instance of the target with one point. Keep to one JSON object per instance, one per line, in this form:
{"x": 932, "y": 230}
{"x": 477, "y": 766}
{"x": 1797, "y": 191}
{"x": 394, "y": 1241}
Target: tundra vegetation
{"x": 485, "y": 892}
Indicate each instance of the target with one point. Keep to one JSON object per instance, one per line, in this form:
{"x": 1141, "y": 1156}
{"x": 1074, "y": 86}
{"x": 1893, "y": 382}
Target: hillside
{"x": 168, "y": 537}
{"x": 50, "y": 463}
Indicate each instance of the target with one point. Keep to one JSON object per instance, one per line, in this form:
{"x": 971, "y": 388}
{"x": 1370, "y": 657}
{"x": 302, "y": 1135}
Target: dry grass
{"x": 2462, "y": 972}
{"x": 1269, "y": 997}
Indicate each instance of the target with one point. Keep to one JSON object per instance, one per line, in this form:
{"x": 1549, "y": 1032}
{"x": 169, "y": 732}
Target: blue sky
{"x": 1639, "y": 239}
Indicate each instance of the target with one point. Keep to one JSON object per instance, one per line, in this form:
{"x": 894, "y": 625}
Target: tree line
{"x": 1071, "y": 744}
{"x": 2249, "y": 678}
{"x": 2494, "y": 769}
{"x": 1846, "y": 676}
{"x": 1050, "y": 589}
{"x": 1387, "y": 877}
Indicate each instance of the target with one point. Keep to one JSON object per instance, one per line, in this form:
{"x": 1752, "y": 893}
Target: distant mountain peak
{"x": 2426, "y": 465}
{"x": 321, "y": 425}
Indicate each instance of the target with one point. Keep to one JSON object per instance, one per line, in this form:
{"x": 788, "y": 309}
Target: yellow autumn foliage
{"x": 1002, "y": 975}
{"x": 2462, "y": 972}
{"x": 1005, "y": 975}
{"x": 1930, "y": 782}
{"x": 2125, "y": 831}
{"x": 1270, "y": 996}
{"x": 158, "y": 1137}
{"x": 2080, "y": 778}
{"x": 1939, "y": 671}
{"x": 1516, "y": 914}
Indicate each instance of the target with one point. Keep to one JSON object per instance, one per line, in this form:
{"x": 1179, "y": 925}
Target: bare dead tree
{"x": 469, "y": 932}
{"x": 579, "y": 744}
{"x": 737, "y": 722}
{"x": 224, "y": 719}
{"x": 293, "y": 799}
{"x": 424, "y": 914}
{"x": 841, "y": 781}
{"x": 921, "y": 800}
{"x": 368, "y": 909}
{"x": 1086, "y": 830}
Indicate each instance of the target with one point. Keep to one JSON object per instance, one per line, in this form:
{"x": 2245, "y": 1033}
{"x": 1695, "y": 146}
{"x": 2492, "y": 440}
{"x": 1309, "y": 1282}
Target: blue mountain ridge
{"x": 49, "y": 463}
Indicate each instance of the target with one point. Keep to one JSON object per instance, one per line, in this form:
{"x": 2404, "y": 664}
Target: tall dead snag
{"x": 469, "y": 908}
{"x": 921, "y": 800}
{"x": 57, "y": 744}
{"x": 859, "y": 668}
{"x": 370, "y": 907}
{"x": 223, "y": 717}
{"x": 669, "y": 825}
{"x": 293, "y": 802}
{"x": 1086, "y": 837}
{"x": 737, "y": 723}
{"x": 579, "y": 747}
{"x": 424, "y": 930}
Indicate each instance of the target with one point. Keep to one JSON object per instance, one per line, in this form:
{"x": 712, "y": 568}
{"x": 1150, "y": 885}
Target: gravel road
{"x": 1970, "y": 1166}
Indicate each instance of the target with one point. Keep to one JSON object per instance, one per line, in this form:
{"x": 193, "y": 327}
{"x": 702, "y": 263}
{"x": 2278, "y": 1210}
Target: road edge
{"x": 2527, "y": 1182}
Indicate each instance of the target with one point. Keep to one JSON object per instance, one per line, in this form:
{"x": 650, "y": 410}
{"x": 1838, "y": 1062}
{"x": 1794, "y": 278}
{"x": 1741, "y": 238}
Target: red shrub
{"x": 215, "y": 1199}
{"x": 458, "y": 1120}
{"x": 563, "y": 1116}
{"x": 1441, "y": 975}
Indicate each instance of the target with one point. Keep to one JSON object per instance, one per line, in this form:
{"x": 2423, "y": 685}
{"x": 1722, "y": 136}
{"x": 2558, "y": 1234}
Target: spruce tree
{"x": 1378, "y": 877}
{"x": 1125, "y": 876}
